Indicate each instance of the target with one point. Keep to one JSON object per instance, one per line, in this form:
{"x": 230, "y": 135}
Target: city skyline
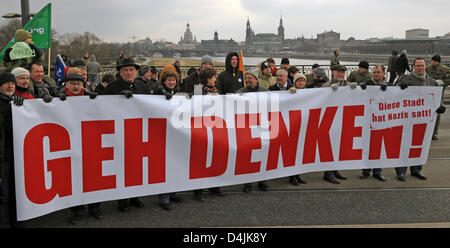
{"x": 114, "y": 21}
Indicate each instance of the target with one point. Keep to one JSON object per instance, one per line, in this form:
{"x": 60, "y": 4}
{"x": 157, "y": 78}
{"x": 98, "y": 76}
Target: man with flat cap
{"x": 126, "y": 85}
{"x": 338, "y": 72}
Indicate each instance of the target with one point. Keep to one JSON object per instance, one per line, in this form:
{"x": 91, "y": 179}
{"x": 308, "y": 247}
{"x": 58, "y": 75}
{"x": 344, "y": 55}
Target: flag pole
{"x": 241, "y": 63}
{"x": 49, "y": 59}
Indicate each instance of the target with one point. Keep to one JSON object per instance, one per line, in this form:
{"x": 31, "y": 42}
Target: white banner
{"x": 85, "y": 150}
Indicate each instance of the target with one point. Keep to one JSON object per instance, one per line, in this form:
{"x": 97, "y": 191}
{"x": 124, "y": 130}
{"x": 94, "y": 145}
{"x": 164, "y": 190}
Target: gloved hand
{"x": 441, "y": 109}
{"x": 363, "y": 85}
{"x": 334, "y": 87}
{"x": 127, "y": 93}
{"x": 352, "y": 85}
{"x": 188, "y": 96}
{"x": 93, "y": 95}
{"x": 403, "y": 86}
{"x": 293, "y": 90}
{"x": 47, "y": 98}
{"x": 383, "y": 87}
{"x": 168, "y": 95}
{"x": 62, "y": 96}
{"x": 17, "y": 100}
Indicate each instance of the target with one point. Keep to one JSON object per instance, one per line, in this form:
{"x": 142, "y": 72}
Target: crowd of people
{"x": 26, "y": 80}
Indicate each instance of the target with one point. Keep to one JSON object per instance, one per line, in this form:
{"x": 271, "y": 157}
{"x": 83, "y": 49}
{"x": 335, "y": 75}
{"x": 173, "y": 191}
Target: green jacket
{"x": 334, "y": 60}
{"x": 439, "y": 71}
{"x": 309, "y": 78}
{"x": 415, "y": 80}
{"x": 359, "y": 77}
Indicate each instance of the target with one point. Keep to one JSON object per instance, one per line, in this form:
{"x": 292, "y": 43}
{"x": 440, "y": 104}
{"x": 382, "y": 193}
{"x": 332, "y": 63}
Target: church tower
{"x": 281, "y": 28}
{"x": 249, "y": 33}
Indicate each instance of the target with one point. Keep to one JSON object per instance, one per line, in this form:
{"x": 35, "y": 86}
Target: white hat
{"x": 19, "y": 71}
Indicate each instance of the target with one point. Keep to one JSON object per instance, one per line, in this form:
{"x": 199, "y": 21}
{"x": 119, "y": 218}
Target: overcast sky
{"x": 116, "y": 21}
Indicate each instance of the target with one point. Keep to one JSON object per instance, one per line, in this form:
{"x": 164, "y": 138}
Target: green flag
{"x": 40, "y": 27}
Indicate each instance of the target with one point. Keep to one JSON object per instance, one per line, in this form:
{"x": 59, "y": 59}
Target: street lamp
{"x": 25, "y": 6}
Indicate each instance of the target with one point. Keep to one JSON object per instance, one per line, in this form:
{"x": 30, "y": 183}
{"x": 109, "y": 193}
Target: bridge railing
{"x": 305, "y": 69}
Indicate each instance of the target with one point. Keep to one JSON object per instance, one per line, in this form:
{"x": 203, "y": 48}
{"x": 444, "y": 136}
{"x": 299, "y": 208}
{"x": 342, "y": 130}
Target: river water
{"x": 254, "y": 61}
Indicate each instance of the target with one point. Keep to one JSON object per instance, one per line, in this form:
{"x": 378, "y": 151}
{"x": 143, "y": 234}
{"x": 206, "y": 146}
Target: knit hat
{"x": 436, "y": 58}
{"x": 299, "y": 75}
{"x": 22, "y": 35}
{"x": 320, "y": 72}
{"x": 253, "y": 71}
{"x": 364, "y": 64}
{"x": 6, "y": 77}
{"x": 19, "y": 71}
{"x": 207, "y": 59}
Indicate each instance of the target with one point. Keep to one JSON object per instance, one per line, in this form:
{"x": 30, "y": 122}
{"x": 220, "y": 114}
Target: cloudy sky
{"x": 116, "y": 21}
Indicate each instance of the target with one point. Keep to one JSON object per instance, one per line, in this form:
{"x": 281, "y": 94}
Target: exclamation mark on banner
{"x": 417, "y": 140}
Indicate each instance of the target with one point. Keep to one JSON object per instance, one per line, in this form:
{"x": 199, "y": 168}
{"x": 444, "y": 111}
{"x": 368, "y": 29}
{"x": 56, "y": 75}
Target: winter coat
{"x": 6, "y": 138}
{"x": 93, "y": 67}
{"x": 317, "y": 83}
{"x": 335, "y": 81}
{"x": 162, "y": 89}
{"x": 191, "y": 80}
{"x": 117, "y": 86}
{"x": 25, "y": 62}
{"x": 402, "y": 65}
{"x": 230, "y": 80}
{"x": 415, "y": 80}
{"x": 373, "y": 82}
{"x": 47, "y": 87}
{"x": 359, "y": 77}
{"x": 275, "y": 87}
{"x": 334, "y": 61}
{"x": 99, "y": 89}
{"x": 247, "y": 89}
{"x": 439, "y": 71}
{"x": 392, "y": 62}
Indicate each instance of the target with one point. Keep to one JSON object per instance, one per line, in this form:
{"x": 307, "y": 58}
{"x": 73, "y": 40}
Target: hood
{"x": 228, "y": 66}
{"x": 93, "y": 58}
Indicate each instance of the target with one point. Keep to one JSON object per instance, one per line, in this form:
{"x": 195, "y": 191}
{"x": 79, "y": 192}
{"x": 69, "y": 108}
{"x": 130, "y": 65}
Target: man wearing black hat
{"x": 126, "y": 85}
{"x": 7, "y": 192}
{"x": 439, "y": 72}
{"x": 362, "y": 74}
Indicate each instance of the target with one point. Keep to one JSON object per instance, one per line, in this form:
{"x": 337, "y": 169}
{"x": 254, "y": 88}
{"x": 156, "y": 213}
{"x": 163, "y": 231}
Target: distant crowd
{"x": 25, "y": 79}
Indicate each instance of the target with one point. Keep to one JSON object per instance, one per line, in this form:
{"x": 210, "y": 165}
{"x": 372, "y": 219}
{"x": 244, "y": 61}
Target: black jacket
{"x": 163, "y": 90}
{"x": 6, "y": 138}
{"x": 275, "y": 87}
{"x": 402, "y": 65}
{"x": 230, "y": 80}
{"x": 117, "y": 86}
